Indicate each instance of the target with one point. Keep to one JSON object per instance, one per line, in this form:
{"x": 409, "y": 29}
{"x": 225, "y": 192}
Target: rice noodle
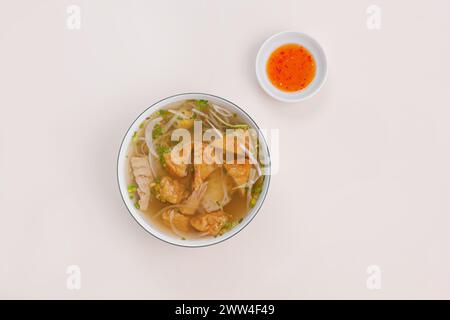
{"x": 199, "y": 235}
{"x": 178, "y": 114}
{"x": 144, "y": 148}
{"x": 138, "y": 147}
{"x": 207, "y": 117}
{"x": 214, "y": 128}
{"x": 137, "y": 150}
{"x": 173, "y": 206}
{"x": 203, "y": 234}
{"x": 249, "y": 190}
{"x": 172, "y": 226}
{"x": 169, "y": 124}
{"x": 214, "y": 120}
{"x": 247, "y": 184}
{"x": 225, "y": 123}
{"x": 152, "y": 168}
{"x": 222, "y": 111}
{"x": 149, "y": 135}
{"x": 200, "y": 113}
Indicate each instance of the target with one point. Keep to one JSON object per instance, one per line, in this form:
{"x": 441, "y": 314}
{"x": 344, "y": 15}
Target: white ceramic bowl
{"x": 278, "y": 40}
{"x": 122, "y": 165}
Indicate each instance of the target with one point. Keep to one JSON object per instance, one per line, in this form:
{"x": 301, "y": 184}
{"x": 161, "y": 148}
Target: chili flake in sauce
{"x": 291, "y": 67}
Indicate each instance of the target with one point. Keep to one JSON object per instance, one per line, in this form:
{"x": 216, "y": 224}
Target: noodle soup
{"x": 194, "y": 169}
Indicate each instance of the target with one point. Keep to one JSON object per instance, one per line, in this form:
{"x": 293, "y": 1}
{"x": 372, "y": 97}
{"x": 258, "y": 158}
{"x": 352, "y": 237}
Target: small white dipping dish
{"x": 287, "y": 37}
{"x": 122, "y": 165}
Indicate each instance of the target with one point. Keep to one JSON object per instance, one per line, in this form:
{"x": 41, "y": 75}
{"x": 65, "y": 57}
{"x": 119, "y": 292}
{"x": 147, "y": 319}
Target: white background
{"x": 365, "y": 165}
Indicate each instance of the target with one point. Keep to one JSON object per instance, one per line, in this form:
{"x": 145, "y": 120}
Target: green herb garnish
{"x": 155, "y": 187}
{"x": 201, "y": 104}
{"x": 132, "y": 188}
{"x": 157, "y": 131}
{"x": 135, "y": 136}
{"x": 163, "y": 112}
{"x": 256, "y": 191}
{"x": 161, "y": 150}
{"x": 227, "y": 226}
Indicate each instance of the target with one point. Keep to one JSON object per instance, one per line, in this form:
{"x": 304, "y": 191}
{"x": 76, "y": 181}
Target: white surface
{"x": 364, "y": 176}
{"x": 123, "y": 165}
{"x": 288, "y": 37}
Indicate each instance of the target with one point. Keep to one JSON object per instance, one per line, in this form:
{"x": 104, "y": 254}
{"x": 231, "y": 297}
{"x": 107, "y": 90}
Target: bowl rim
{"x": 191, "y": 243}
{"x": 258, "y": 62}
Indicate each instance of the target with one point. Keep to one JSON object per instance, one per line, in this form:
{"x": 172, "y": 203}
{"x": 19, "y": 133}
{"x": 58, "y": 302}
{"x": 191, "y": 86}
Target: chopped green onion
{"x": 161, "y": 150}
{"x": 201, "y": 104}
{"x": 227, "y": 226}
{"x": 135, "y": 136}
{"x": 157, "y": 131}
{"x": 155, "y": 187}
{"x": 132, "y": 188}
